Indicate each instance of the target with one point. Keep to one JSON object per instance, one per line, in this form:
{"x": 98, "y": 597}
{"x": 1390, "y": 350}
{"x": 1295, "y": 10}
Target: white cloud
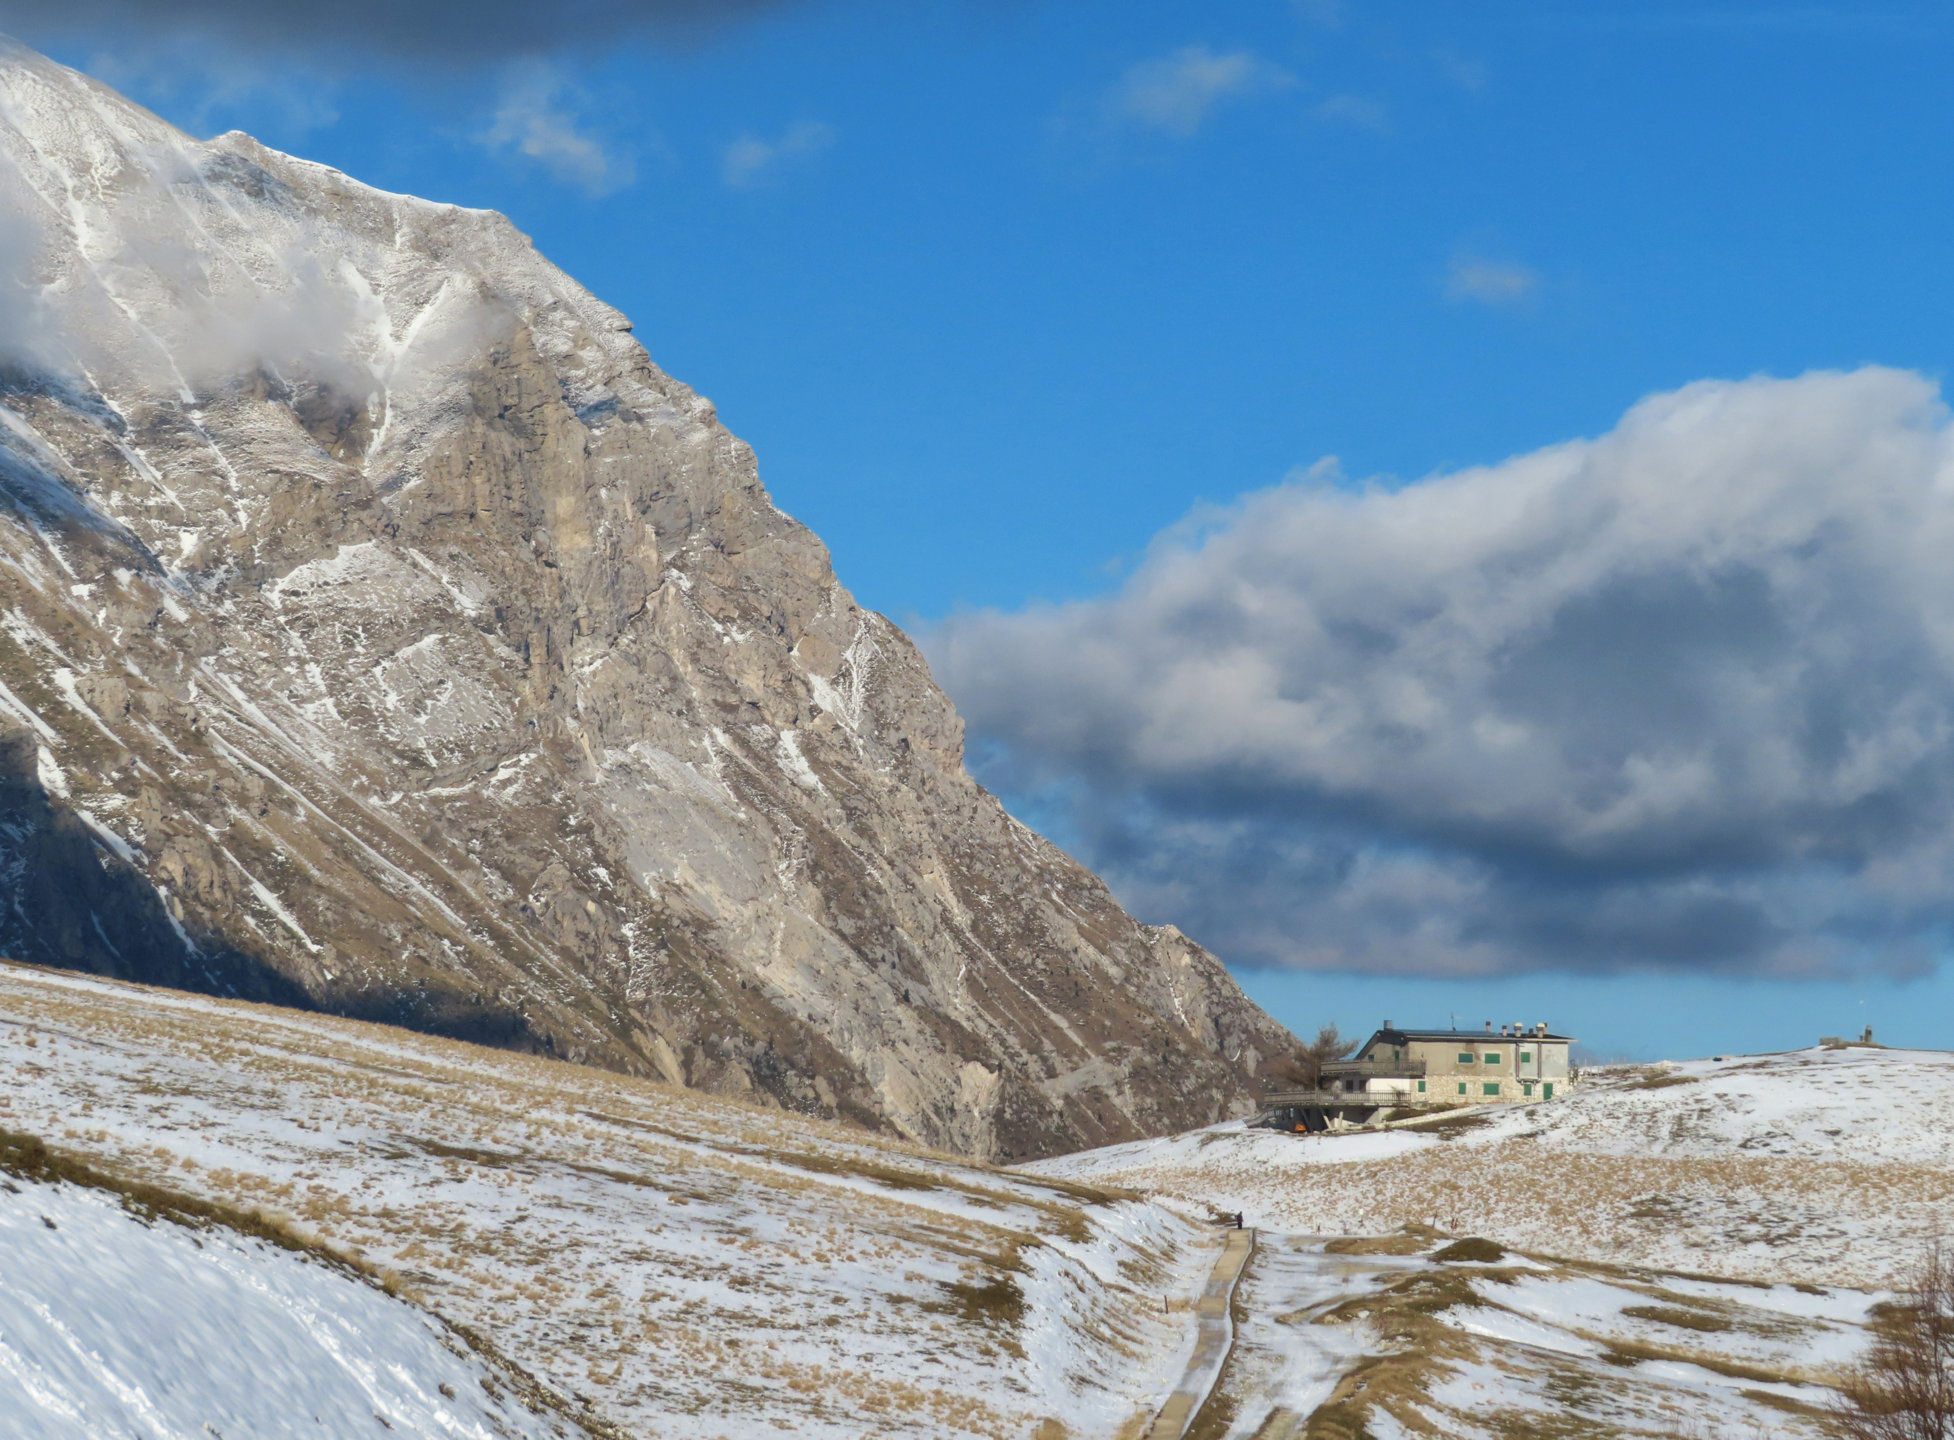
{"x": 223, "y": 292}
{"x": 28, "y": 331}
{"x": 537, "y": 118}
{"x": 1490, "y": 282}
{"x": 1175, "y": 93}
{"x": 1679, "y": 696}
{"x": 750, "y": 160}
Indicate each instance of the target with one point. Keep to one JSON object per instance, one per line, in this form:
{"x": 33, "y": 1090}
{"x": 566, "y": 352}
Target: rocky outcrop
{"x": 383, "y": 632}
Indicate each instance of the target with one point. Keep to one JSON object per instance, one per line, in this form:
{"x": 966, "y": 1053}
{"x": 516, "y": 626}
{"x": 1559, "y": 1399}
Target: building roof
{"x": 1397, "y": 1035}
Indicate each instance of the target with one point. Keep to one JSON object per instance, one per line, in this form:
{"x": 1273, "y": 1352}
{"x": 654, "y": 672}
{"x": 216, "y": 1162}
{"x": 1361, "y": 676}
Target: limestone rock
{"x": 384, "y": 632}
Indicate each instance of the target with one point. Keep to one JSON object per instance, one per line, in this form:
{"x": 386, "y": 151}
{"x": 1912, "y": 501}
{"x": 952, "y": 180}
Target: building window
{"x": 1492, "y": 1059}
{"x": 1528, "y": 1088}
{"x": 1526, "y": 1057}
{"x": 1492, "y": 1087}
{"x": 1549, "y": 1088}
{"x": 1421, "y": 1087}
{"x": 1464, "y": 1058}
{"x": 1462, "y": 1087}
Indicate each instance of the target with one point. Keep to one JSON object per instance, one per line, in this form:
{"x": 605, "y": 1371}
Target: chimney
{"x": 1387, "y": 1024}
{"x": 1489, "y": 1027}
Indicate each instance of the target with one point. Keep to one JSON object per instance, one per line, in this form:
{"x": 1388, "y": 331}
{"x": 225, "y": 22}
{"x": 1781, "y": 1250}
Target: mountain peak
{"x": 389, "y": 635}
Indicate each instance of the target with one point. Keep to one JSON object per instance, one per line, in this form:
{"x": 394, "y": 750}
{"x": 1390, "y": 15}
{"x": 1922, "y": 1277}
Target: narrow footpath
{"x": 1211, "y": 1346}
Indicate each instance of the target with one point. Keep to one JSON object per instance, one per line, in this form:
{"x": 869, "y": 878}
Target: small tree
{"x": 1904, "y": 1389}
{"x": 1304, "y": 1068}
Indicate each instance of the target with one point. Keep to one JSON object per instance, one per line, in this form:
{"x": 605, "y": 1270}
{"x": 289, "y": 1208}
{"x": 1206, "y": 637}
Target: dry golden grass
{"x": 1685, "y": 1212}
{"x": 467, "y": 1175}
{"x": 1408, "y": 1387}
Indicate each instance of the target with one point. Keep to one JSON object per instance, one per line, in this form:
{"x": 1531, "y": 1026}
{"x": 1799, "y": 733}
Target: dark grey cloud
{"x": 1678, "y": 697}
{"x": 444, "y": 32}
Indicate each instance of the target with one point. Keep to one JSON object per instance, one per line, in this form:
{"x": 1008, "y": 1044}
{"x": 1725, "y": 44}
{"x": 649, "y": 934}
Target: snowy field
{"x": 1392, "y": 1338}
{"x": 1677, "y": 1250}
{"x": 685, "y": 1266}
{"x": 1825, "y": 1167}
{"x": 117, "y": 1328}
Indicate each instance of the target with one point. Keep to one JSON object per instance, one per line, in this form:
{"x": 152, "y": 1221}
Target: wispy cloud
{"x": 538, "y": 118}
{"x": 1357, "y": 110}
{"x": 208, "y": 87}
{"x": 751, "y": 160}
{"x": 1324, "y": 14}
{"x": 1491, "y": 282}
{"x": 1467, "y": 72}
{"x": 1176, "y": 93}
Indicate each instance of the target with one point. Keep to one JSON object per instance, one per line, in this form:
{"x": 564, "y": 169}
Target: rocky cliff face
{"x": 383, "y": 632}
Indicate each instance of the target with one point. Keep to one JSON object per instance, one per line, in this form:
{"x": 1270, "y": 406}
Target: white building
{"x": 1454, "y": 1067}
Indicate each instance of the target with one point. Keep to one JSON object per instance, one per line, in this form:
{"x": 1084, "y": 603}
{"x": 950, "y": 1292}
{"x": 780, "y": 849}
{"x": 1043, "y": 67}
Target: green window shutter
{"x": 1549, "y": 1088}
{"x": 1528, "y": 1087}
{"x": 1492, "y": 1059}
{"x": 1526, "y": 1057}
{"x": 1492, "y": 1087}
{"x": 1464, "y": 1059}
{"x": 1421, "y": 1087}
{"x": 1462, "y": 1087}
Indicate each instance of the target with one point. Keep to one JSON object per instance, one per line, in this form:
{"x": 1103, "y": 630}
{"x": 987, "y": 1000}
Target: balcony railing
{"x": 1302, "y": 1099}
{"x": 1401, "y": 1069}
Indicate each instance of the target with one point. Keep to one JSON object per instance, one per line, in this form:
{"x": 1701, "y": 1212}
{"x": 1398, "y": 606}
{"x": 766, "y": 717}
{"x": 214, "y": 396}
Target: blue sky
{"x": 992, "y": 332}
{"x": 1001, "y": 292}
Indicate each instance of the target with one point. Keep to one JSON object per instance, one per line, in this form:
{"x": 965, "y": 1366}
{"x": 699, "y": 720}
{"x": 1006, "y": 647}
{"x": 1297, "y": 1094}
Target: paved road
{"x": 1211, "y": 1346}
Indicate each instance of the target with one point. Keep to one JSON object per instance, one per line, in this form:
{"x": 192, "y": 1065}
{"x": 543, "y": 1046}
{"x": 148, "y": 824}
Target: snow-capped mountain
{"x": 385, "y": 633}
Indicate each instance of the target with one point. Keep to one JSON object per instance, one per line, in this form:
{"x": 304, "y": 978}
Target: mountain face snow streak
{"x": 384, "y": 633}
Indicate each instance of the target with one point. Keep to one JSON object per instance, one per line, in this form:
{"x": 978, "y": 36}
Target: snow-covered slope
{"x": 118, "y": 1327}
{"x": 1407, "y": 1336}
{"x": 687, "y": 1266}
{"x": 1686, "y": 1249}
{"x": 381, "y": 631}
{"x": 680, "y": 1266}
{"x": 1825, "y": 1166}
